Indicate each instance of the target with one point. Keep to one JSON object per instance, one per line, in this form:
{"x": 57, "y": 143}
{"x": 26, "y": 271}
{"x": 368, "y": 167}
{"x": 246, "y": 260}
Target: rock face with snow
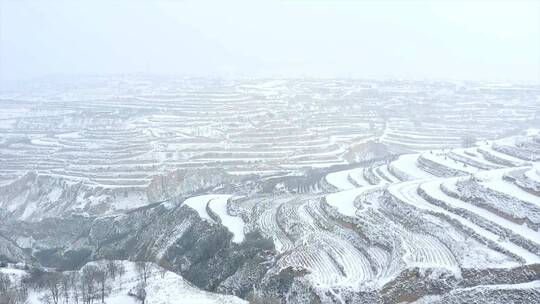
{"x": 203, "y": 252}
{"x": 11, "y": 252}
{"x": 35, "y": 196}
{"x": 181, "y": 182}
{"x": 278, "y": 198}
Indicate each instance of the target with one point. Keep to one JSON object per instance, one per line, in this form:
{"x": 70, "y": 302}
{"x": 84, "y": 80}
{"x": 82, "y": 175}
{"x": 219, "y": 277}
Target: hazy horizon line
{"x": 23, "y": 81}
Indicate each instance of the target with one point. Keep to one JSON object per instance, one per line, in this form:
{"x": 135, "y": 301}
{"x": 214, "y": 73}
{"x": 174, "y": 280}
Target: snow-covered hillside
{"x": 161, "y": 287}
{"x": 289, "y": 191}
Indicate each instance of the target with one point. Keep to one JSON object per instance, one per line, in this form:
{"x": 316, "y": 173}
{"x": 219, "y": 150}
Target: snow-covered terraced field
{"x": 285, "y": 191}
{"x": 499, "y": 239}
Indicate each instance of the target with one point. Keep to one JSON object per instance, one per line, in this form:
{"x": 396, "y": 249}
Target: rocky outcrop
{"x": 181, "y": 182}
{"x": 176, "y": 238}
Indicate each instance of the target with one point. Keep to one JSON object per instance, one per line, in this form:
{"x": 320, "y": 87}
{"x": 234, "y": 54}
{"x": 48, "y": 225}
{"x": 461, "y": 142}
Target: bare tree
{"x": 10, "y": 293}
{"x": 121, "y": 271}
{"x": 162, "y": 269}
{"x": 139, "y": 292}
{"x": 468, "y": 141}
{"x": 101, "y": 280}
{"x": 112, "y": 269}
{"x": 46, "y": 298}
{"x": 5, "y": 284}
{"x": 66, "y": 287}
{"x": 54, "y": 286}
{"x": 21, "y": 292}
{"x": 162, "y": 272}
{"x": 143, "y": 270}
{"x": 88, "y": 284}
{"x": 36, "y": 278}
{"x": 76, "y": 286}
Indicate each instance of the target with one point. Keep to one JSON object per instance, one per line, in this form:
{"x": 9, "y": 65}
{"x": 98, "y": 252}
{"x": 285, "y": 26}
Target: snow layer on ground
{"x": 235, "y": 224}
{"x": 433, "y": 188}
{"x": 472, "y": 154}
{"x": 534, "y": 173}
{"x": 489, "y": 149}
{"x": 449, "y": 163}
{"x": 358, "y": 176}
{"x": 407, "y": 164}
{"x": 383, "y": 169}
{"x": 344, "y": 201}
{"x": 494, "y": 180}
{"x": 340, "y": 180}
{"x": 198, "y": 203}
{"x": 527, "y": 285}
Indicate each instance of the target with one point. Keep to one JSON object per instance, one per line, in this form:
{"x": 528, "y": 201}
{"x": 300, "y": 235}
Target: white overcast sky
{"x": 483, "y": 40}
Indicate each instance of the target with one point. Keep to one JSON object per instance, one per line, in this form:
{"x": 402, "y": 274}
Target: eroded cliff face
{"x": 182, "y": 182}
{"x": 176, "y": 238}
{"x": 11, "y": 252}
{"x": 34, "y": 196}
